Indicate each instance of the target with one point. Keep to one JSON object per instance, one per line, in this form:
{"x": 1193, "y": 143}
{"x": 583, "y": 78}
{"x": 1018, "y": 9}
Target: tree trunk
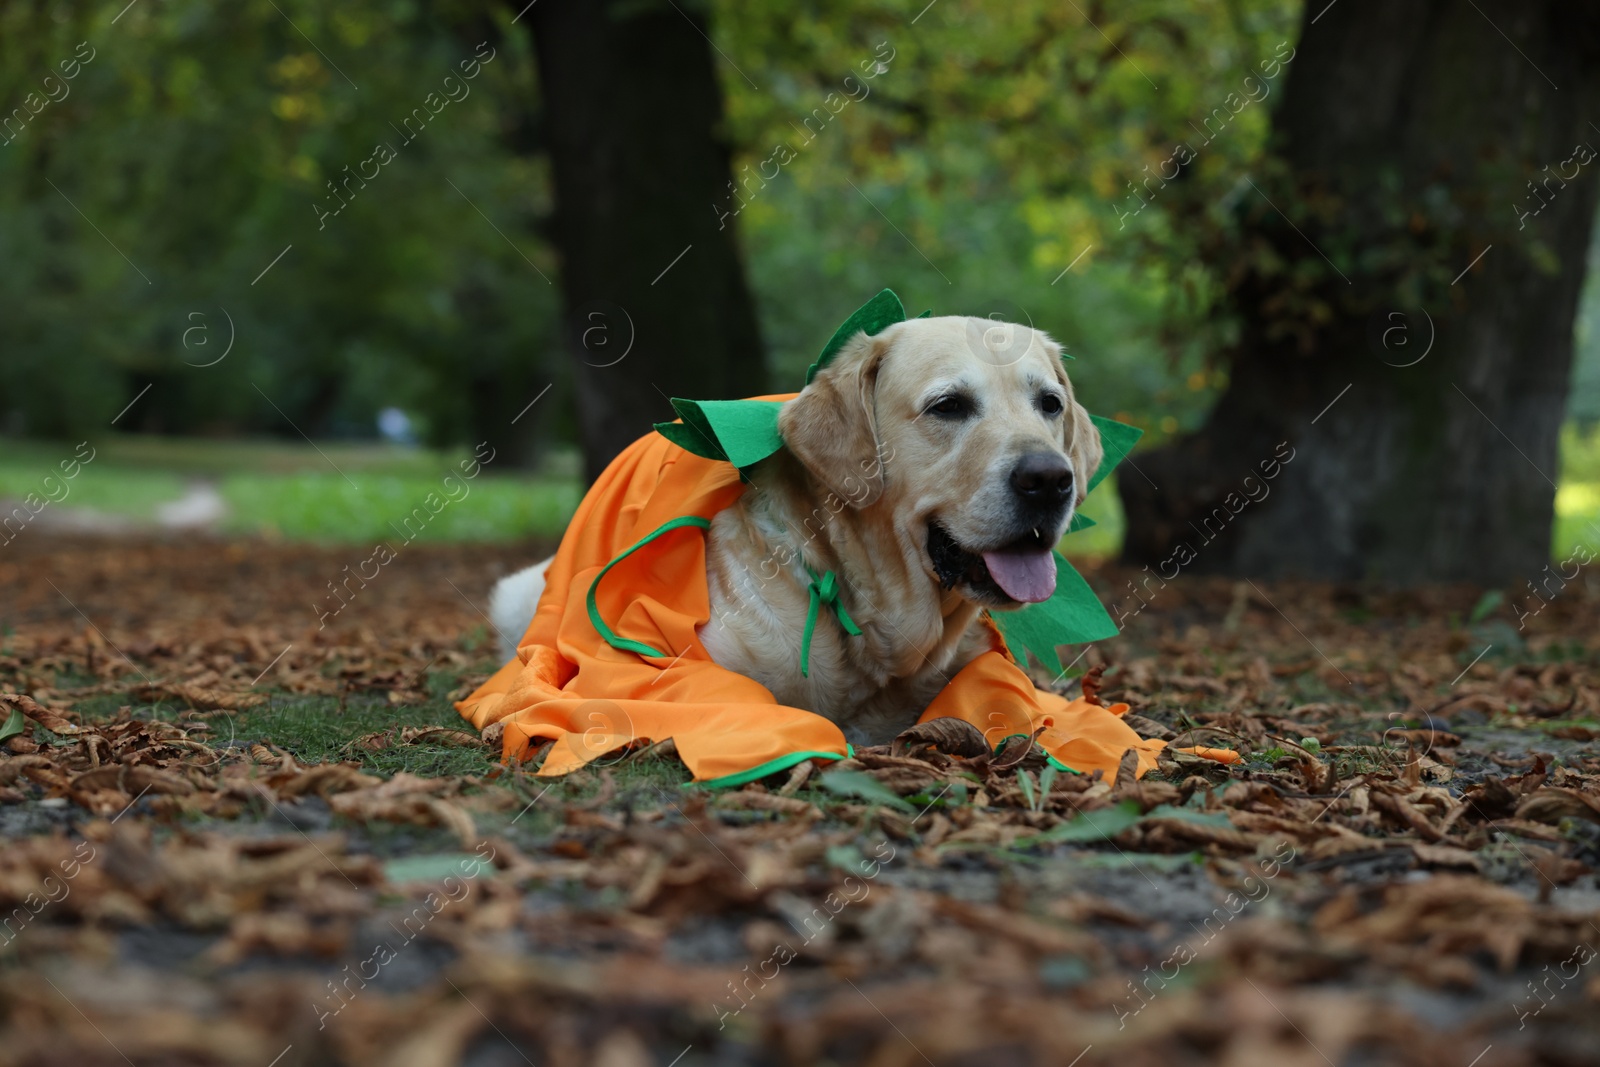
{"x": 1417, "y": 382}
{"x": 655, "y": 298}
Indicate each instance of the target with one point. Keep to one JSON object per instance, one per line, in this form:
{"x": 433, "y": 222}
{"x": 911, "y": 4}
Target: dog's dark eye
{"x": 1050, "y": 404}
{"x": 951, "y": 407}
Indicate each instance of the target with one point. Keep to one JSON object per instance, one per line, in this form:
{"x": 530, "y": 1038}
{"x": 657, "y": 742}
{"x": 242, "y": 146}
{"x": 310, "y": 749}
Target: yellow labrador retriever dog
{"x": 932, "y": 467}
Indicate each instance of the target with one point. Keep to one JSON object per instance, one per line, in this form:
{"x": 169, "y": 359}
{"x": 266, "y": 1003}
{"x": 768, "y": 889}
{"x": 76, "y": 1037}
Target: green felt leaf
{"x": 690, "y": 439}
{"x": 882, "y": 310}
{"x": 741, "y": 432}
{"x": 1074, "y": 615}
{"x": 747, "y": 430}
{"x": 1080, "y": 521}
{"x": 689, "y": 411}
{"x": 1118, "y": 439}
{"x": 13, "y": 725}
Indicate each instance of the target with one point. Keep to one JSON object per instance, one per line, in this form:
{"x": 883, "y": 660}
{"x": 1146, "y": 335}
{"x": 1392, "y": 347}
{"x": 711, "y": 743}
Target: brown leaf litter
{"x": 1398, "y": 824}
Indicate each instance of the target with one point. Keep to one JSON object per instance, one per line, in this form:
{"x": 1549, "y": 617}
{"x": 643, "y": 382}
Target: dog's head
{"x": 964, "y": 435}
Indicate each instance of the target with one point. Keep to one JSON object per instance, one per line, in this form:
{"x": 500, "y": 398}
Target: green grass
{"x": 1578, "y": 499}
{"x": 202, "y": 457}
{"x": 25, "y": 466}
{"x": 325, "y": 507}
{"x": 320, "y": 730}
{"x": 332, "y": 493}
{"x": 1103, "y": 540}
{"x": 362, "y": 492}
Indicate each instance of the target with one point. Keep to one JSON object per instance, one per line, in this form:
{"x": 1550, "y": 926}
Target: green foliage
{"x": 1036, "y": 794}
{"x": 995, "y": 162}
{"x": 1578, "y": 500}
{"x": 861, "y": 786}
{"x": 194, "y": 147}
{"x": 1104, "y": 538}
{"x": 1102, "y": 825}
{"x": 995, "y": 148}
{"x": 1030, "y": 792}
{"x": 1090, "y": 826}
{"x": 1486, "y": 605}
{"x": 435, "y": 867}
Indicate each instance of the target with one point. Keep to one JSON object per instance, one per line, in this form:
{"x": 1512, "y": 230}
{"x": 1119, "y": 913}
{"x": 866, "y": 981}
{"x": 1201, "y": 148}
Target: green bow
{"x": 824, "y": 590}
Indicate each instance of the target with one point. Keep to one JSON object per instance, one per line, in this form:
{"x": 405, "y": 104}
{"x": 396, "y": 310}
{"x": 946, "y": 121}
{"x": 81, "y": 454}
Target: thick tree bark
{"x": 1403, "y": 152}
{"x": 633, "y": 114}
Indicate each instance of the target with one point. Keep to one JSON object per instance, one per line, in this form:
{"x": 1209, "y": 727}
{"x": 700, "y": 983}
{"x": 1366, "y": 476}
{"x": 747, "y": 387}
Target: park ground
{"x": 238, "y": 830}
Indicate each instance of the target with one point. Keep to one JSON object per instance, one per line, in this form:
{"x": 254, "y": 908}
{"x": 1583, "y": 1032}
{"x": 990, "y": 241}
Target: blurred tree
{"x": 656, "y": 303}
{"x": 200, "y": 151}
{"x": 199, "y": 179}
{"x": 968, "y": 154}
{"x": 1425, "y": 176}
{"x": 1017, "y": 160}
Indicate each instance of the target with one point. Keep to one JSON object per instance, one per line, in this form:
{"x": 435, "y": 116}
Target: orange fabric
{"x": 568, "y": 685}
{"x": 1221, "y": 755}
{"x": 994, "y": 695}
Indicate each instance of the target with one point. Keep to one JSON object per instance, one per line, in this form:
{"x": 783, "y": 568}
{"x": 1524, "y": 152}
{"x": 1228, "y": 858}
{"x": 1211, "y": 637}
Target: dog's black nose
{"x": 1042, "y": 479}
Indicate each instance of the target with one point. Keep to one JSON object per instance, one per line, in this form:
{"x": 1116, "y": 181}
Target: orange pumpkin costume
{"x": 571, "y": 686}
{"x": 606, "y": 663}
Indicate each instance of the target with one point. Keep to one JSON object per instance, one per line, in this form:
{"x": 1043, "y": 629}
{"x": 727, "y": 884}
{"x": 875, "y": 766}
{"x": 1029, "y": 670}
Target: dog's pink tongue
{"x": 1028, "y": 576}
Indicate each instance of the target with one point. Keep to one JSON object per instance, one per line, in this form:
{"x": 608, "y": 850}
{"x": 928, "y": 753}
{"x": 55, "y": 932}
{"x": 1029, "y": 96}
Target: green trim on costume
{"x": 823, "y": 590}
{"x": 772, "y": 766}
{"x": 1057, "y": 764}
{"x": 606, "y": 633}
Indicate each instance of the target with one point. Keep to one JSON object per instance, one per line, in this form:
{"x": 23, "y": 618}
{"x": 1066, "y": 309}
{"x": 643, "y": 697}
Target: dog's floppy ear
{"x": 1083, "y": 446}
{"x": 831, "y": 427}
{"x": 1079, "y": 435}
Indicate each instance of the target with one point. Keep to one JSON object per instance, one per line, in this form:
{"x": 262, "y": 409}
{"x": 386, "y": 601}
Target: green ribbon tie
{"x": 607, "y": 634}
{"x": 823, "y": 590}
